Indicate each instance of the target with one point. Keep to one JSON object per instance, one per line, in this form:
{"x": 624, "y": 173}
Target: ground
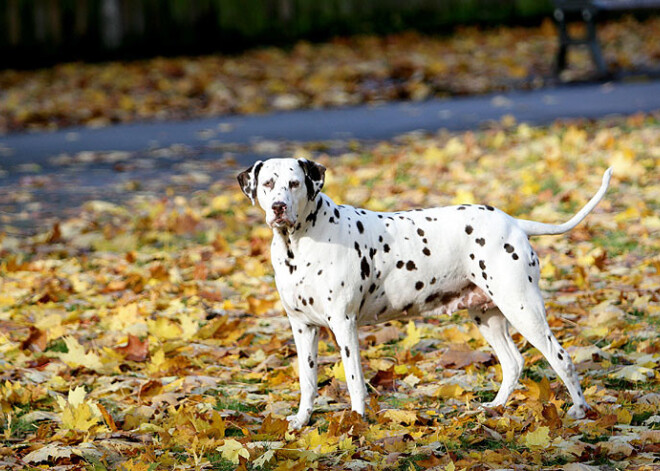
{"x": 148, "y": 334}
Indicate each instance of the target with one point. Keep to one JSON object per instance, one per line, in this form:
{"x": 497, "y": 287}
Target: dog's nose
{"x": 279, "y": 207}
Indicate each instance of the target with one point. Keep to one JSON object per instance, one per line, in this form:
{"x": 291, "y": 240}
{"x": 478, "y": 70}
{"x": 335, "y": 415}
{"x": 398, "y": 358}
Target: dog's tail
{"x": 533, "y": 228}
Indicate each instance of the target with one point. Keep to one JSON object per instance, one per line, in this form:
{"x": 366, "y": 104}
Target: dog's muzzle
{"x": 280, "y": 216}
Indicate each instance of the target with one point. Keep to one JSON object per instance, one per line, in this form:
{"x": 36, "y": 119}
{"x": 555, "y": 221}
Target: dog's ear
{"x": 314, "y": 177}
{"x": 249, "y": 180}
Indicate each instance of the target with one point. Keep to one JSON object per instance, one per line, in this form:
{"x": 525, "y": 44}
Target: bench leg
{"x": 594, "y": 44}
{"x": 562, "y": 44}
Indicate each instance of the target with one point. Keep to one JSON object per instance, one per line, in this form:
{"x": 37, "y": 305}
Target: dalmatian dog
{"x": 342, "y": 267}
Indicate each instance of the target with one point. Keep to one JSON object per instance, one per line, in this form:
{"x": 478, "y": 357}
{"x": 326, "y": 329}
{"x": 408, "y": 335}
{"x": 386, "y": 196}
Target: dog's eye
{"x": 294, "y": 184}
{"x": 269, "y": 184}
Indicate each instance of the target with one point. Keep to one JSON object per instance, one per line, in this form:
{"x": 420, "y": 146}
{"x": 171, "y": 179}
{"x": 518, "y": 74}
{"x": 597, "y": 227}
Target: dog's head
{"x": 282, "y": 187}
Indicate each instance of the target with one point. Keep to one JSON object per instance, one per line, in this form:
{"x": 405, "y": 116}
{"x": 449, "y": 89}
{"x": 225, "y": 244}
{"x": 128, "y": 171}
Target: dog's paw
{"x": 296, "y": 422}
{"x": 578, "y": 411}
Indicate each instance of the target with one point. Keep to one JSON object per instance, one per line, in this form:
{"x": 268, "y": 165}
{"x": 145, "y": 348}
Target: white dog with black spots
{"x": 342, "y": 267}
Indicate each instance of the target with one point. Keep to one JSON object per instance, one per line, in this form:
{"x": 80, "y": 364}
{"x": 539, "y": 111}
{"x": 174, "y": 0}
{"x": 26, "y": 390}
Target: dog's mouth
{"x": 280, "y": 221}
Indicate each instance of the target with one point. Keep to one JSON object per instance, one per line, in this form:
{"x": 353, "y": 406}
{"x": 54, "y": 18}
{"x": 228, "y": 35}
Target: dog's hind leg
{"x": 528, "y": 316}
{"x": 495, "y": 329}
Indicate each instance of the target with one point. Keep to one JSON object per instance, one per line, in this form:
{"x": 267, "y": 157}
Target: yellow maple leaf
{"x": 232, "y": 450}
{"x": 401, "y": 416}
{"x": 164, "y": 329}
{"x": 319, "y": 442}
{"x": 158, "y": 362}
{"x": 52, "y": 325}
{"x": 539, "y": 438}
{"x": 76, "y": 413}
{"x": 76, "y": 356}
{"x": 189, "y": 326}
{"x": 450, "y": 391}
{"x": 337, "y": 371}
{"x": 413, "y": 336}
{"x": 633, "y": 373}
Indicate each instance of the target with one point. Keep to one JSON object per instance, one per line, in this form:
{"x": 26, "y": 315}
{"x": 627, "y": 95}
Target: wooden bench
{"x": 588, "y": 11}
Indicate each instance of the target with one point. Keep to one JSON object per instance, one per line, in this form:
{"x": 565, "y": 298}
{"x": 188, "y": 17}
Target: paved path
{"x": 363, "y": 122}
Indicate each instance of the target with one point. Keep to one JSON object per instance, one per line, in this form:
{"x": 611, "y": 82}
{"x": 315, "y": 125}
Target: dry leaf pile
{"x": 149, "y": 336}
{"x": 343, "y": 72}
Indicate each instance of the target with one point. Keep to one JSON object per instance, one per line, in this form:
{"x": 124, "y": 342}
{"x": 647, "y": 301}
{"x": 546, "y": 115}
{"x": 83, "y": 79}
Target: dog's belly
{"x": 436, "y": 303}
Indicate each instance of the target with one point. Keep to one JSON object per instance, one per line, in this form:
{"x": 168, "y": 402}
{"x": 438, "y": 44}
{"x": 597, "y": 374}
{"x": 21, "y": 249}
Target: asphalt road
{"x": 363, "y": 122}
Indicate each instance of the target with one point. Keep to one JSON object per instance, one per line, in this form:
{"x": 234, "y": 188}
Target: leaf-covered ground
{"x": 149, "y": 336}
{"x": 343, "y": 72}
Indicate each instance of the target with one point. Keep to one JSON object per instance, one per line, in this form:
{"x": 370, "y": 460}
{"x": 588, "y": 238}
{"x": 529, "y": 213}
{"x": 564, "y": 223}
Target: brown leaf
{"x": 55, "y": 234}
{"x": 459, "y": 356}
{"x": 36, "y": 341}
{"x": 135, "y": 349}
{"x": 213, "y": 296}
{"x": 201, "y": 272}
{"x": 274, "y": 428}
{"x": 107, "y": 418}
{"x": 384, "y": 379}
{"x": 383, "y": 335}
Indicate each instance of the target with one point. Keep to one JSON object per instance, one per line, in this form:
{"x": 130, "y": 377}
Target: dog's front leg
{"x": 346, "y": 332}
{"x": 307, "y": 341}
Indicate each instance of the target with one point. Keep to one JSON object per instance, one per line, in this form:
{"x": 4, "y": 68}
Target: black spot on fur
{"x": 360, "y": 227}
{"x": 419, "y": 285}
{"x": 311, "y": 301}
{"x": 420, "y": 232}
{"x": 372, "y": 252}
{"x": 509, "y": 248}
{"x": 477, "y": 320}
{"x": 482, "y": 264}
{"x": 559, "y": 355}
{"x": 364, "y": 268}
{"x": 372, "y": 288}
{"x": 410, "y": 265}
{"x": 468, "y": 229}
{"x": 311, "y": 362}
{"x": 460, "y": 208}
{"x": 426, "y": 251}
{"x": 483, "y": 273}
{"x": 357, "y": 247}
{"x": 529, "y": 278}
{"x": 347, "y": 351}
{"x": 471, "y": 256}
{"x": 433, "y": 280}
{"x": 432, "y": 297}
{"x": 386, "y": 248}
{"x": 490, "y": 208}
{"x": 336, "y": 213}
{"x": 311, "y": 217}
{"x": 514, "y": 256}
{"x": 481, "y": 241}
{"x": 400, "y": 264}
